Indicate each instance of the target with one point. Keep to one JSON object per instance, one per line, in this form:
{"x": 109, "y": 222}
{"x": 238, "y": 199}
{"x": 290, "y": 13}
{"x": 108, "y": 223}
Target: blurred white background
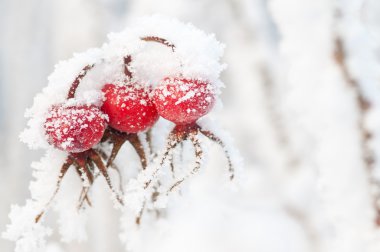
{"x": 288, "y": 104}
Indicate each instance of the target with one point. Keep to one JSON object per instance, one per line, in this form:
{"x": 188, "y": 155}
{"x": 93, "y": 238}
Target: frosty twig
{"x": 77, "y": 80}
{"x": 363, "y": 105}
{"x": 159, "y": 40}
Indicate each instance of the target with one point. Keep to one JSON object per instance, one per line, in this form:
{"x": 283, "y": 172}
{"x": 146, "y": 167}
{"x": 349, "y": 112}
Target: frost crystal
{"x": 164, "y": 59}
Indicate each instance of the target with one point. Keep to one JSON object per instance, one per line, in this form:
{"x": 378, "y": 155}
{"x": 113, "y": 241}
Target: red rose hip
{"x": 183, "y": 101}
{"x": 129, "y": 108}
{"x": 74, "y": 128}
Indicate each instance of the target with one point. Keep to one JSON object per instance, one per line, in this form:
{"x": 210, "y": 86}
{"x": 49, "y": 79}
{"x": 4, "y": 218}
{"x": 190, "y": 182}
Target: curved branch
{"x": 77, "y": 80}
{"x": 159, "y": 40}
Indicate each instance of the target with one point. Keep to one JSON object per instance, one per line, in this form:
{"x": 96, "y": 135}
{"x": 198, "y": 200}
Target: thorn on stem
{"x": 159, "y": 40}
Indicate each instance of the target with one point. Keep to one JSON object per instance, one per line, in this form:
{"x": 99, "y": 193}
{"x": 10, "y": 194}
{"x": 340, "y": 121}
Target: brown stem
{"x": 84, "y": 170}
{"x": 127, "y": 61}
{"x": 84, "y": 197}
{"x": 173, "y": 140}
{"x": 96, "y": 158}
{"x": 139, "y": 148}
{"x": 363, "y": 105}
{"x": 198, "y": 159}
{"x": 149, "y": 140}
{"x": 139, "y": 216}
{"x": 65, "y": 167}
{"x": 217, "y": 140}
{"x": 115, "y": 167}
{"x": 77, "y": 80}
{"x": 117, "y": 144}
{"x": 159, "y": 40}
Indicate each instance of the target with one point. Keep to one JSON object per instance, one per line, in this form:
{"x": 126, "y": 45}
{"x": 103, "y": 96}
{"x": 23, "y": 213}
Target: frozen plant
{"x": 108, "y": 96}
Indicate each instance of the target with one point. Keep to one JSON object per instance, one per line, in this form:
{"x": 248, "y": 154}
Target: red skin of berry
{"x": 129, "y": 108}
{"x": 74, "y": 128}
{"x": 183, "y": 101}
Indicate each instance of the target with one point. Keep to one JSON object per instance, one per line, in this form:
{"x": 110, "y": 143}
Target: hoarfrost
{"x": 188, "y": 53}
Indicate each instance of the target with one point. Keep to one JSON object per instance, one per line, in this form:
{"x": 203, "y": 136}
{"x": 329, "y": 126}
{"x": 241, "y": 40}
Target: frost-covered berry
{"x": 183, "y": 101}
{"x": 129, "y": 108}
{"x": 74, "y": 128}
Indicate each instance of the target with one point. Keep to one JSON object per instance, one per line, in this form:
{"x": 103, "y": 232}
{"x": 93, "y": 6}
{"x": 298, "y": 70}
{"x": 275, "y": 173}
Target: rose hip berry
{"x": 129, "y": 108}
{"x": 74, "y": 128}
{"x": 183, "y": 101}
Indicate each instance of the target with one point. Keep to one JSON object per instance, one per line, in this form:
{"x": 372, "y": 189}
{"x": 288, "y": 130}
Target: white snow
{"x": 196, "y": 56}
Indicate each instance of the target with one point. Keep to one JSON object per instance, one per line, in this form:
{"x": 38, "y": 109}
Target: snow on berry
{"x": 56, "y": 93}
{"x": 129, "y": 107}
{"x": 74, "y": 128}
{"x": 157, "y": 66}
{"x": 183, "y": 101}
{"x": 195, "y": 55}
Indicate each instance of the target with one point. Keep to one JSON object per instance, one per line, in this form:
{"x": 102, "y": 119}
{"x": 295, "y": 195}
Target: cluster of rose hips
{"x": 127, "y": 109}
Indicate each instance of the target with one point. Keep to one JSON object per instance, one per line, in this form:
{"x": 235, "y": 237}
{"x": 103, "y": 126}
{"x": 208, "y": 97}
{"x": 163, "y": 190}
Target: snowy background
{"x": 302, "y": 102}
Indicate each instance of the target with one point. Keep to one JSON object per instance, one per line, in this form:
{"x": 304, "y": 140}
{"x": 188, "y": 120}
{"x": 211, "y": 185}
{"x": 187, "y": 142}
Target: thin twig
{"x": 159, "y": 40}
{"x": 64, "y": 169}
{"x": 363, "y": 105}
{"x": 77, "y": 80}
{"x": 217, "y": 140}
{"x": 198, "y": 160}
{"x": 127, "y": 62}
